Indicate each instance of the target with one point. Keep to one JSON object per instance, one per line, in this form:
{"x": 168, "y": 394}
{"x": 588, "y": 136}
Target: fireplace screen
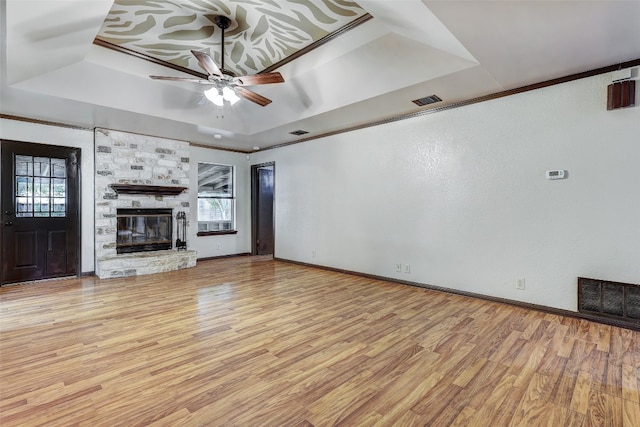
{"x": 144, "y": 230}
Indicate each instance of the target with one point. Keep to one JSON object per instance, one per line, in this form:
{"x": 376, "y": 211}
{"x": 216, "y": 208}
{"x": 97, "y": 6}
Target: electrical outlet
{"x": 520, "y": 284}
{"x": 313, "y": 254}
{"x": 398, "y": 268}
{"x": 407, "y": 269}
{"x": 218, "y": 246}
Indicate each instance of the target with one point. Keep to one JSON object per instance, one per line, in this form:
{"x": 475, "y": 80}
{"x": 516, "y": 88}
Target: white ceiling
{"x": 52, "y": 71}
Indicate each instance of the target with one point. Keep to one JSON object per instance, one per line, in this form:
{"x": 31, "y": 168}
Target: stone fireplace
{"x": 141, "y": 186}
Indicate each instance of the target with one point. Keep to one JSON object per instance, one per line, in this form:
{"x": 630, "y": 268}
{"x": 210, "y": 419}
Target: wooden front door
{"x": 262, "y": 178}
{"x": 40, "y": 211}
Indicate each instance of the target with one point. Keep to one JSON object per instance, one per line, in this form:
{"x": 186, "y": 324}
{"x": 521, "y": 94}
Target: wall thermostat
{"x": 556, "y": 174}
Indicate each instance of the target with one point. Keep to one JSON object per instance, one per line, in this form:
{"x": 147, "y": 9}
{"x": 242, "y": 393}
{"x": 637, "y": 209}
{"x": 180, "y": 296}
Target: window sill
{"x": 216, "y": 233}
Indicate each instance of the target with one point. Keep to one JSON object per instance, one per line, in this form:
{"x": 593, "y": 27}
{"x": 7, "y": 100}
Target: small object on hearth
{"x": 181, "y": 240}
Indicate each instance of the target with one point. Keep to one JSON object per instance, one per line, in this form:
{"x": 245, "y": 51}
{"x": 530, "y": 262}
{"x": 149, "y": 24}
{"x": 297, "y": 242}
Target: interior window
{"x": 216, "y": 198}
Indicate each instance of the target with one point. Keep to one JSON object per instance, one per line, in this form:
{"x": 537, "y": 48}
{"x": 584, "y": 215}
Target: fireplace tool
{"x": 181, "y": 240}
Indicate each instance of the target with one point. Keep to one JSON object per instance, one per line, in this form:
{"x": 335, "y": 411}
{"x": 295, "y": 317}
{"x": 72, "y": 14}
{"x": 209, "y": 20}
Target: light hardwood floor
{"x": 249, "y": 341}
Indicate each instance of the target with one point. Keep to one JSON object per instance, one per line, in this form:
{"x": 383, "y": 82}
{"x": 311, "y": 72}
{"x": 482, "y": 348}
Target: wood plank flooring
{"x": 249, "y": 341}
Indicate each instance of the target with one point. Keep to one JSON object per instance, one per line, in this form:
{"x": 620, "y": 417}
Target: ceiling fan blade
{"x": 252, "y": 96}
{"x": 259, "y": 79}
{"x": 206, "y": 62}
{"x": 181, "y": 79}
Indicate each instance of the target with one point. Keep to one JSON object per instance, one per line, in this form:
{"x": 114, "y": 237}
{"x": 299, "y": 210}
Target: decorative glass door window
{"x": 41, "y": 186}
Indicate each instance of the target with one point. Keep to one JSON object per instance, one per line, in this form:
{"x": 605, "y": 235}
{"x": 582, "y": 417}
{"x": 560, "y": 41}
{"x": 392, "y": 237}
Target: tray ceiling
{"x": 261, "y": 33}
{"x": 373, "y": 59}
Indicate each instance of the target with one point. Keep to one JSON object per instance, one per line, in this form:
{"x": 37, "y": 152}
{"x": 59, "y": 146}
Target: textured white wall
{"x": 83, "y": 139}
{"x": 461, "y": 196}
{"x": 230, "y": 244}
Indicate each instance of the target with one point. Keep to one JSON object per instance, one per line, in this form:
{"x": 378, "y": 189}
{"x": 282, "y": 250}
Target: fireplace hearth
{"x": 142, "y": 230}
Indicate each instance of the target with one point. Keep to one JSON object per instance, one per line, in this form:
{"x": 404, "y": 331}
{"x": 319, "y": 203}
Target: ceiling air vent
{"x": 427, "y": 100}
{"x": 298, "y": 132}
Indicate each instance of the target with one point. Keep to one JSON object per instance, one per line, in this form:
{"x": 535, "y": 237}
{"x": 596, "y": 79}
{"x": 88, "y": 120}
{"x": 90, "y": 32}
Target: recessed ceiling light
{"x": 217, "y": 136}
{"x": 256, "y": 148}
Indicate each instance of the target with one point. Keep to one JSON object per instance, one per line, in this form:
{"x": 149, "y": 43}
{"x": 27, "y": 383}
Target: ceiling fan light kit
{"x": 226, "y": 86}
{"x": 219, "y": 95}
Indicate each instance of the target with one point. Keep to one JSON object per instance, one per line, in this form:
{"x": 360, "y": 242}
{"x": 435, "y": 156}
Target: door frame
{"x": 254, "y": 206}
{"x": 8, "y": 186}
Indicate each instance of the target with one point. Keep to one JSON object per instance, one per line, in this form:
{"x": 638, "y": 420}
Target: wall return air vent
{"x": 298, "y": 132}
{"x": 427, "y": 100}
{"x": 604, "y": 298}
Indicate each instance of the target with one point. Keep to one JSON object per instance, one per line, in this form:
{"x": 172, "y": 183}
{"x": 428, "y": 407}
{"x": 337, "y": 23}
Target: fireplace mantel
{"x": 154, "y": 190}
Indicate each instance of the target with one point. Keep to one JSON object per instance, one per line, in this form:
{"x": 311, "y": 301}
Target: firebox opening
{"x": 142, "y": 230}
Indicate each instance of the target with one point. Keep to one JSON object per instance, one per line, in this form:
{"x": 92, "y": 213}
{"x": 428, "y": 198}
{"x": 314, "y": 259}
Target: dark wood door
{"x": 263, "y": 192}
{"x": 40, "y": 211}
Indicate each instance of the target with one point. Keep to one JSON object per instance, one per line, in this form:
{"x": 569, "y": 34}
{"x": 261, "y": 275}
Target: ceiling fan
{"x": 225, "y": 85}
